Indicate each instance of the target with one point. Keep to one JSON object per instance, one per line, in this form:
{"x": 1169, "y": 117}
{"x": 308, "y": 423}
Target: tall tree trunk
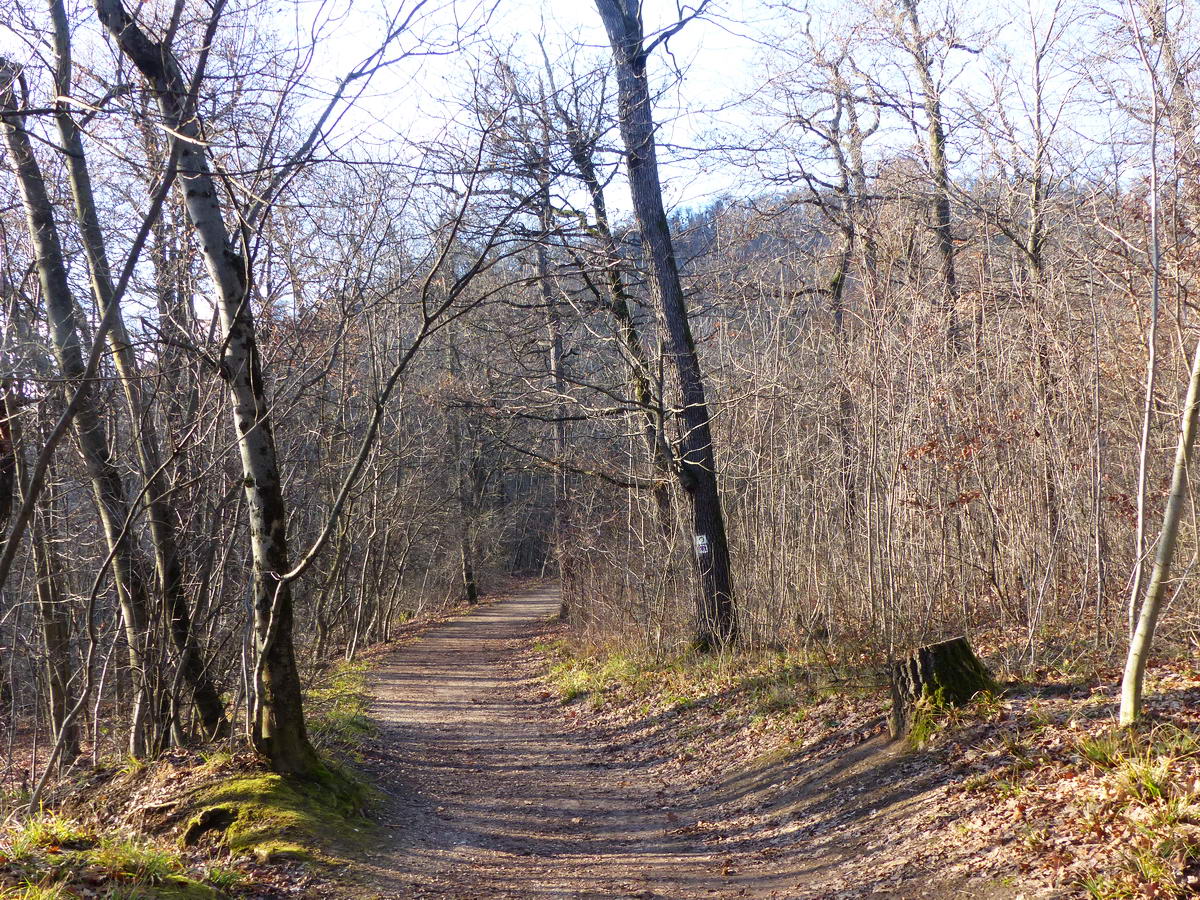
{"x": 161, "y": 516}
{"x": 935, "y": 129}
{"x": 466, "y": 548}
{"x": 554, "y": 336}
{"x": 845, "y": 417}
{"x": 1139, "y": 646}
{"x": 1180, "y": 109}
{"x": 178, "y": 399}
{"x": 717, "y": 623}
{"x": 55, "y": 618}
{"x": 619, "y": 305}
{"x": 463, "y": 495}
{"x": 53, "y": 612}
{"x": 88, "y": 424}
{"x": 278, "y": 730}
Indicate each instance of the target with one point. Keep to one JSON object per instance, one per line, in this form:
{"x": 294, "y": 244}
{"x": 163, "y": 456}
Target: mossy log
{"x": 948, "y": 672}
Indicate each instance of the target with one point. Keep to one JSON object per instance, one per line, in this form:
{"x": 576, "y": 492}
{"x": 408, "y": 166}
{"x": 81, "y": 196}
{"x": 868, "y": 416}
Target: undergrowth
{"x": 772, "y": 682}
{"x": 1042, "y": 782}
{"x": 1152, "y": 782}
{"x": 49, "y": 856}
{"x": 1122, "y": 804}
{"x": 933, "y": 715}
{"x": 214, "y": 804}
{"x": 337, "y": 708}
{"x": 211, "y": 804}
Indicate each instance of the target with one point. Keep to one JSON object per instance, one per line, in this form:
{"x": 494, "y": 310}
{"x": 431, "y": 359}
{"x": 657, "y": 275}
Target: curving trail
{"x": 485, "y": 798}
{"x": 485, "y": 801}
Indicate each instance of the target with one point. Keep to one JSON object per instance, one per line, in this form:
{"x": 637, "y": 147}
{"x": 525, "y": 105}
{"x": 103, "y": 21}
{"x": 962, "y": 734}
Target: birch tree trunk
{"x": 278, "y": 729}
{"x": 88, "y": 424}
{"x": 717, "y": 620}
{"x": 1139, "y": 646}
{"x": 1180, "y": 110}
{"x": 161, "y": 517}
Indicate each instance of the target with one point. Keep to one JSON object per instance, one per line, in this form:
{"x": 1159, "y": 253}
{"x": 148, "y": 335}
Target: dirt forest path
{"x": 486, "y": 799}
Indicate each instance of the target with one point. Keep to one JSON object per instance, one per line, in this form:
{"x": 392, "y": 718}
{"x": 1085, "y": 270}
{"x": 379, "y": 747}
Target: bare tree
{"x": 717, "y": 620}
{"x": 279, "y": 731}
{"x": 161, "y": 516}
{"x": 89, "y": 427}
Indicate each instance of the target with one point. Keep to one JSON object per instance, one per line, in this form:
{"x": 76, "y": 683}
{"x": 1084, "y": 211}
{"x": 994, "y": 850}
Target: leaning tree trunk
{"x": 1133, "y": 682}
{"x": 619, "y": 303}
{"x": 717, "y": 620}
{"x": 1139, "y": 646}
{"x": 944, "y": 673}
{"x": 160, "y": 515}
{"x": 89, "y": 426}
{"x": 278, "y": 730}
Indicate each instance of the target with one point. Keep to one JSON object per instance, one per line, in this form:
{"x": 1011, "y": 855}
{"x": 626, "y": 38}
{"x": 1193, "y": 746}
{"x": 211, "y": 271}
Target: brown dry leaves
{"x": 1005, "y": 797}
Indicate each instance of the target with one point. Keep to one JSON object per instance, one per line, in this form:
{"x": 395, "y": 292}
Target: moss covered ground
{"x": 200, "y": 825}
{"x": 269, "y": 817}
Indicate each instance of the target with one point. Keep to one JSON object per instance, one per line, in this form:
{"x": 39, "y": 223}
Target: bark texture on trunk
{"x": 1181, "y": 109}
{"x": 717, "y": 621}
{"x": 54, "y": 615}
{"x": 160, "y": 515}
{"x": 279, "y": 731}
{"x": 1133, "y": 681}
{"x": 88, "y": 423}
{"x": 945, "y": 673}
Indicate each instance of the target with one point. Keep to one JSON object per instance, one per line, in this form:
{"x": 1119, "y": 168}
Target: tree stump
{"x": 947, "y": 672}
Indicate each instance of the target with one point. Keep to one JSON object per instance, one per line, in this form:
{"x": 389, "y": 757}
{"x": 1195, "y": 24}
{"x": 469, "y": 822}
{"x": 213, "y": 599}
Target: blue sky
{"x": 712, "y": 62}
{"x": 408, "y": 102}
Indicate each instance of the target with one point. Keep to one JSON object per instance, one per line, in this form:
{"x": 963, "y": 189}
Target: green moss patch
{"x": 271, "y": 817}
{"x": 200, "y": 822}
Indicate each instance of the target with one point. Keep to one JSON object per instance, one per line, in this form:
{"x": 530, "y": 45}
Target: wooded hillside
{"x": 288, "y": 359}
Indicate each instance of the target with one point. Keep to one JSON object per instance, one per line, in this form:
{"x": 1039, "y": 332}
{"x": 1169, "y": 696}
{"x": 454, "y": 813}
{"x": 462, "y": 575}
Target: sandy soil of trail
{"x": 488, "y": 797}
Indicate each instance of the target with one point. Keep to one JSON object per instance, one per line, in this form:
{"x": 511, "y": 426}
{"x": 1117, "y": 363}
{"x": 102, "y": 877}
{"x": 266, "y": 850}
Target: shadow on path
{"x": 486, "y": 799}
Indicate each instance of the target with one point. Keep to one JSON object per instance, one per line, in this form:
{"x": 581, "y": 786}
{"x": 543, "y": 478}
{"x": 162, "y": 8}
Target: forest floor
{"x": 509, "y": 760}
{"x": 494, "y": 788}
